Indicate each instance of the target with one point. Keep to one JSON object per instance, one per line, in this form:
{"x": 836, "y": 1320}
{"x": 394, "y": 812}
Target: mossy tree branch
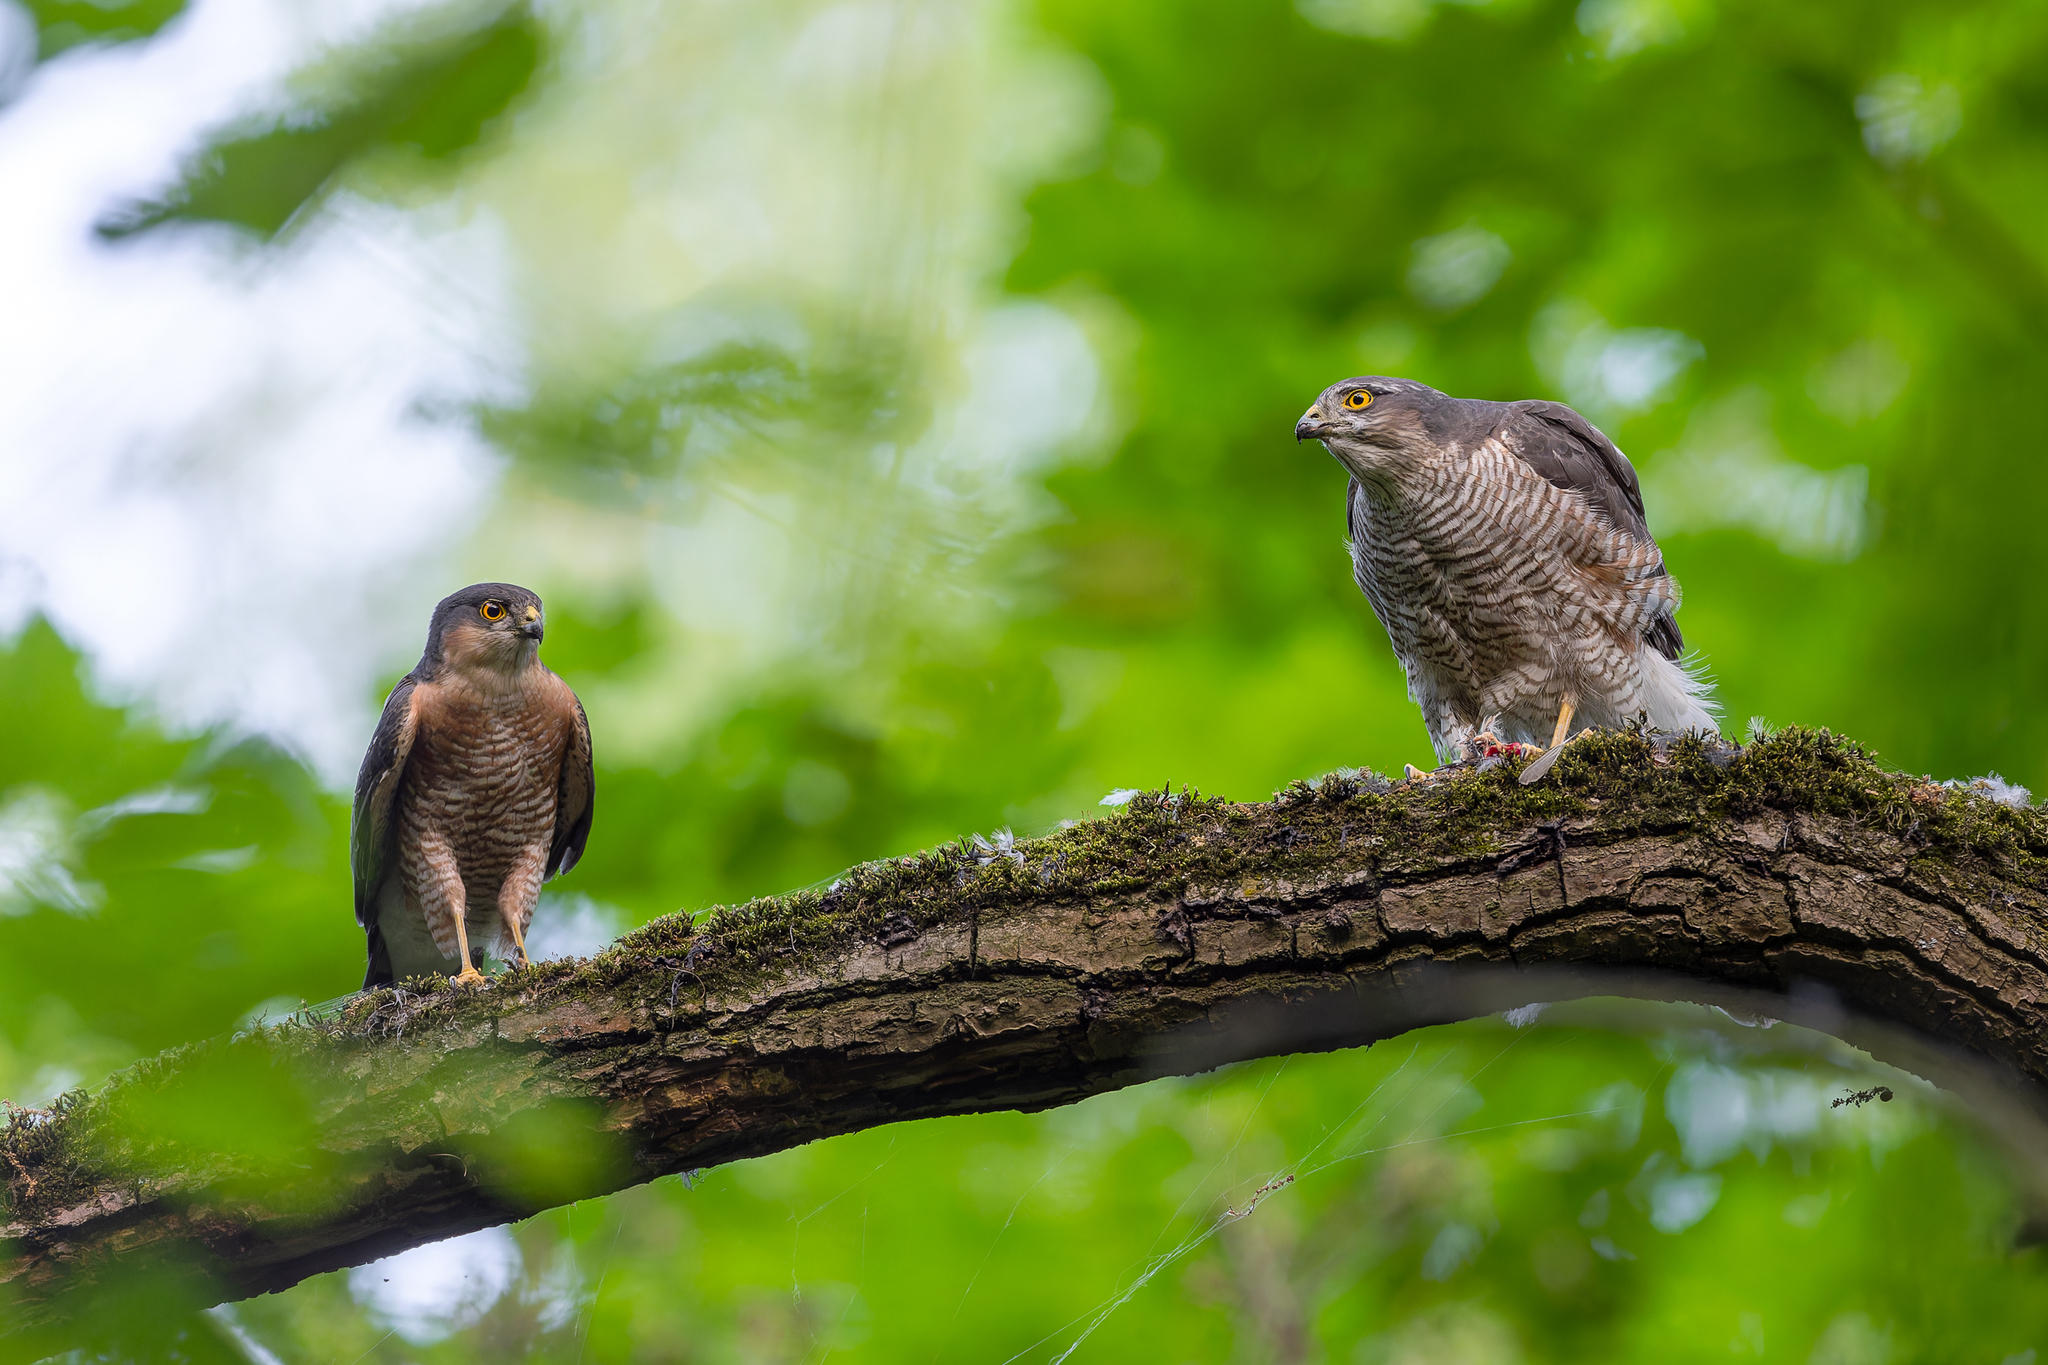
{"x": 1175, "y": 935}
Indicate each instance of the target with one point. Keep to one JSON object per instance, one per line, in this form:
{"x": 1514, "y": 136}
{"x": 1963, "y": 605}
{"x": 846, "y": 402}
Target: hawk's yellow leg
{"x": 1544, "y": 761}
{"x": 519, "y": 894}
{"x": 1564, "y": 720}
{"x": 518, "y": 939}
{"x": 469, "y": 975}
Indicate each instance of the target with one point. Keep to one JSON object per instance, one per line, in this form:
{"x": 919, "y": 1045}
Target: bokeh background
{"x": 892, "y": 400}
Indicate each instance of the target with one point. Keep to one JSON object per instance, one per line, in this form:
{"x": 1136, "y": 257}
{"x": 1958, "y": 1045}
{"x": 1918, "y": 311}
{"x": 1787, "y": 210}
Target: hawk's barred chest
{"x": 1463, "y": 555}
{"x": 485, "y": 772}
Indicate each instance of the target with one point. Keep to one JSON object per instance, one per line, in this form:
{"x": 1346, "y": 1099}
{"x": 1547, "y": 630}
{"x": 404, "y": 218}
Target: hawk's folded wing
{"x": 369, "y": 823}
{"x": 577, "y": 795}
{"x": 1574, "y": 455}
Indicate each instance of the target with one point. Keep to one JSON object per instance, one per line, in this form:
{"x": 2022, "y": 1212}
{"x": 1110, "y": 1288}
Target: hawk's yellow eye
{"x": 492, "y": 611}
{"x": 1360, "y": 399}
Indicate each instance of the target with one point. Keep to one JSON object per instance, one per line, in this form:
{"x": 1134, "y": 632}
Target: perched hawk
{"x": 476, "y": 789}
{"x": 1504, "y": 548}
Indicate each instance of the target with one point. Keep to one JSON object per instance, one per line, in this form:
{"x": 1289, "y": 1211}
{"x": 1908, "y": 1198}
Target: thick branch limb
{"x": 1176, "y": 935}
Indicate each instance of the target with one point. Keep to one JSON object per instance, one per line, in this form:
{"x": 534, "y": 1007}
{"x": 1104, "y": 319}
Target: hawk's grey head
{"x": 491, "y": 625}
{"x": 1372, "y": 421}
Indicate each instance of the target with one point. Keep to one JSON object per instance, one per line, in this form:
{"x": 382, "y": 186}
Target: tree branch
{"x": 1178, "y": 934}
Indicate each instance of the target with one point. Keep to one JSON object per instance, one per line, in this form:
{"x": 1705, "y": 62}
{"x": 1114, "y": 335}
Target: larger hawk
{"x": 477, "y": 788}
{"x": 1504, "y": 547}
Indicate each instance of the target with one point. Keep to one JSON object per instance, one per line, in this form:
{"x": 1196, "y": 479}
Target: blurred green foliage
{"x": 425, "y": 95}
{"x": 206, "y": 869}
{"x": 62, "y": 24}
{"x": 1790, "y": 257}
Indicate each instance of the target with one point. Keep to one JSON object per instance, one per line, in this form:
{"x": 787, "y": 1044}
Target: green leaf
{"x": 431, "y": 98}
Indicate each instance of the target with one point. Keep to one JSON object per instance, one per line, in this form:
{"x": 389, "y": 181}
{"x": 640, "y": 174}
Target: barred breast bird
{"x": 477, "y": 788}
{"x": 1504, "y": 548}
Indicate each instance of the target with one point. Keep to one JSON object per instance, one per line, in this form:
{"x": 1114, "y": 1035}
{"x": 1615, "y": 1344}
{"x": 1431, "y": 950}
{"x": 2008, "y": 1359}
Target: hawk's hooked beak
{"x": 1311, "y": 425}
{"x": 533, "y": 628}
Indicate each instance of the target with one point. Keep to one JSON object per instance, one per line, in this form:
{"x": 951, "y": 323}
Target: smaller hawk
{"x": 1504, "y": 548}
{"x": 476, "y": 789}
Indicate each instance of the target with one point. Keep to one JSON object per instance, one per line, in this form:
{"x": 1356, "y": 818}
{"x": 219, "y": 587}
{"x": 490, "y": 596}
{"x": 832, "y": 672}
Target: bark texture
{"x": 1177, "y": 934}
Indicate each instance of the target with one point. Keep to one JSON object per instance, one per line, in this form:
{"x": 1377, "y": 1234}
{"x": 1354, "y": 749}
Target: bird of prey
{"x": 1504, "y": 548}
{"x": 477, "y": 788}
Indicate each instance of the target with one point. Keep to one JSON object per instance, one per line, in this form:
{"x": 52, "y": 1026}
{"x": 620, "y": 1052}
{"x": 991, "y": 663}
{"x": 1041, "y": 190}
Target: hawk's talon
{"x": 470, "y": 976}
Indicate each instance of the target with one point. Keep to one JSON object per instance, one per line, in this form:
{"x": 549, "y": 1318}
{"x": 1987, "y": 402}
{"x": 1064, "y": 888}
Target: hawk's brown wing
{"x": 1574, "y": 455}
{"x": 369, "y": 823}
{"x": 577, "y": 795}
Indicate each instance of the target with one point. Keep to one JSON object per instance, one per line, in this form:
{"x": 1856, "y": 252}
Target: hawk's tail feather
{"x": 1679, "y": 694}
{"x": 378, "y": 973}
